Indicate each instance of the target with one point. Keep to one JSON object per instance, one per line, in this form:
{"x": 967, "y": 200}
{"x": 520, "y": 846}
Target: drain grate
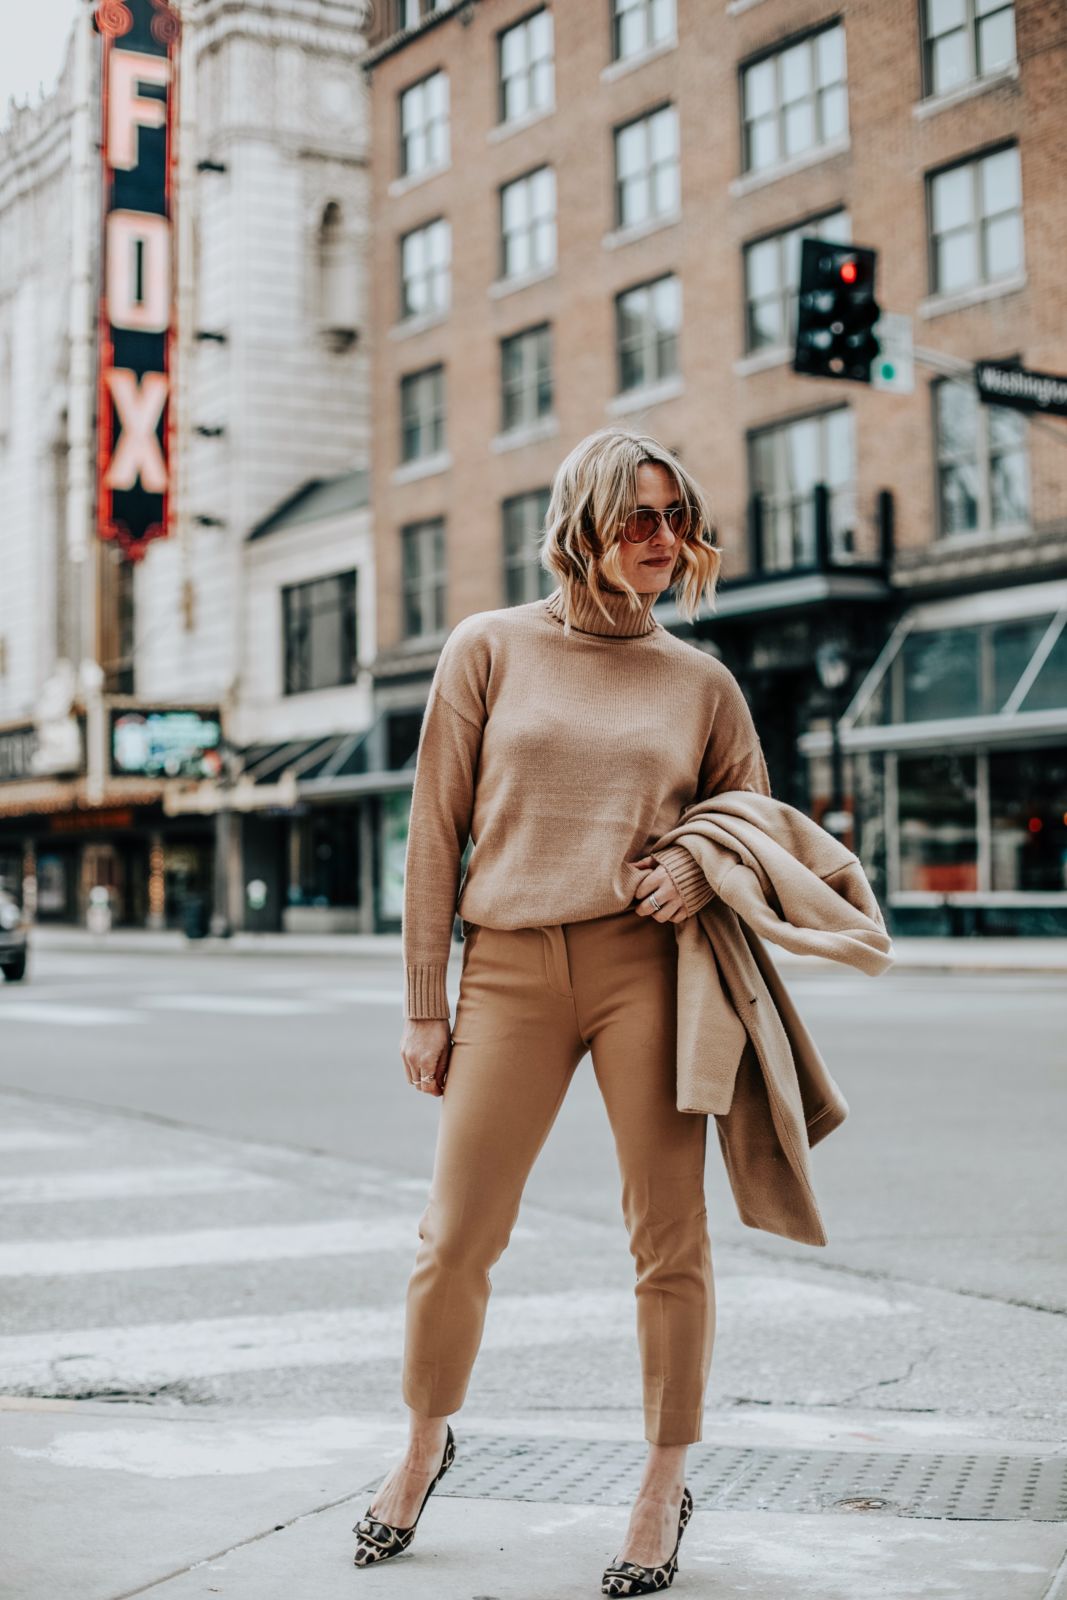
{"x": 994, "y": 1488}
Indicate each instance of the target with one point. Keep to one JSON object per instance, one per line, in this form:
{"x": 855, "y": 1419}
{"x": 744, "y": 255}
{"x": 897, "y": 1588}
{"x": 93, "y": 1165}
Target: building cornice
{"x": 396, "y": 42}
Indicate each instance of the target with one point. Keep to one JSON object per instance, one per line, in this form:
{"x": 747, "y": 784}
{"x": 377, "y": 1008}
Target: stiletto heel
{"x": 378, "y": 1541}
{"x": 628, "y": 1577}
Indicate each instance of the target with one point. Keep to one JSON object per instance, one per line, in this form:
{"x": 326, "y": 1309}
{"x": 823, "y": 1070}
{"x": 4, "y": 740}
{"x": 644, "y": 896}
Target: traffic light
{"x": 836, "y": 311}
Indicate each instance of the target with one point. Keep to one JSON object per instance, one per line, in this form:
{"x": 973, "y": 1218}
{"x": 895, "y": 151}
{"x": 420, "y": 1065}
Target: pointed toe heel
{"x": 629, "y": 1578}
{"x": 379, "y": 1541}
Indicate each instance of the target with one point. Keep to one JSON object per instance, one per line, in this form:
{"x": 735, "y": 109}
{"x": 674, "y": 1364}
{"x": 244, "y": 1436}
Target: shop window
{"x": 795, "y": 100}
{"x": 941, "y": 676}
{"x": 1028, "y": 819}
{"x": 772, "y": 279}
{"x": 964, "y": 40}
{"x": 979, "y": 670}
{"x": 324, "y": 859}
{"x": 523, "y": 518}
{"x": 641, "y": 25}
{"x": 1049, "y": 689}
{"x": 527, "y": 79}
{"x": 938, "y": 823}
{"x": 319, "y": 623}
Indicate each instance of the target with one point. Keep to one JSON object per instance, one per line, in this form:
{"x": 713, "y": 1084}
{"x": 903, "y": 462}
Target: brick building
{"x": 593, "y": 212}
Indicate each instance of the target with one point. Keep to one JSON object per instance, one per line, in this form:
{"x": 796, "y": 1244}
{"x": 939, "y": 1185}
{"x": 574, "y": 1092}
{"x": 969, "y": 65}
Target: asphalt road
{"x": 214, "y": 1167}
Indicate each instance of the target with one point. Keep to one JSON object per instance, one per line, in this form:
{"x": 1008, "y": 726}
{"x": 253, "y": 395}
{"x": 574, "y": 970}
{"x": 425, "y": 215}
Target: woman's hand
{"x": 656, "y": 880}
{"x": 425, "y": 1047}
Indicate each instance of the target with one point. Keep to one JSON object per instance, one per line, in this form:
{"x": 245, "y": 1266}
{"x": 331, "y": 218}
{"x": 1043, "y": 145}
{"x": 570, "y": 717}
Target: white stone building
{"x": 272, "y": 395}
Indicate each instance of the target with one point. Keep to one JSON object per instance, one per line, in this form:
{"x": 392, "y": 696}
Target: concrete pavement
{"x": 104, "y": 1502}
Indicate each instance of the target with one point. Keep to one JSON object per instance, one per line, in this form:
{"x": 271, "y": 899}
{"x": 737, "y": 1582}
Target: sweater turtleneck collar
{"x": 588, "y": 618}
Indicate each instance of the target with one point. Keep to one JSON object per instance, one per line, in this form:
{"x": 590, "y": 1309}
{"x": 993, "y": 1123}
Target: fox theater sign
{"x": 139, "y": 66}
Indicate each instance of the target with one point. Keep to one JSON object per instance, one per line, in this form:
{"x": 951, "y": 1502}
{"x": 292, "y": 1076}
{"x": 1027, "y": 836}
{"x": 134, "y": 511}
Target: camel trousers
{"x": 532, "y": 1002}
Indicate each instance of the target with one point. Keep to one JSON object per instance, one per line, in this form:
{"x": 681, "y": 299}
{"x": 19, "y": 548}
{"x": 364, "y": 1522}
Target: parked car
{"x": 14, "y": 938}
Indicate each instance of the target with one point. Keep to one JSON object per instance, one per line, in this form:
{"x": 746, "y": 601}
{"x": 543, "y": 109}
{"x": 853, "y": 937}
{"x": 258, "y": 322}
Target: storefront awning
{"x": 986, "y": 669}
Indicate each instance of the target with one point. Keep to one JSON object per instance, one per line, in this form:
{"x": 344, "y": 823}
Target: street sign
{"x": 893, "y": 369}
{"x": 1004, "y": 383}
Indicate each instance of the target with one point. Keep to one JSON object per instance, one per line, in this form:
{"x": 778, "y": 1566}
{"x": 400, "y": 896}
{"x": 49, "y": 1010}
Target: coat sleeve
{"x": 733, "y": 759}
{"x": 442, "y": 804}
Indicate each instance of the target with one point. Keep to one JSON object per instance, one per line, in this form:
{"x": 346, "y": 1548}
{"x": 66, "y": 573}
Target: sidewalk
{"x": 109, "y": 1501}
{"x": 912, "y": 955}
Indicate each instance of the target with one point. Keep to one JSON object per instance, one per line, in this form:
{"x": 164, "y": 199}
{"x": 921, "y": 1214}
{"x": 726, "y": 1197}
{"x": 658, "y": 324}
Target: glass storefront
{"x": 956, "y": 748}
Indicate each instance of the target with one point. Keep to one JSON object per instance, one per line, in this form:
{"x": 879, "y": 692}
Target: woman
{"x": 562, "y": 736}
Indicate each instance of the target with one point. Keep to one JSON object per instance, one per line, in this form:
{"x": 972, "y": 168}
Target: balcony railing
{"x": 819, "y": 531}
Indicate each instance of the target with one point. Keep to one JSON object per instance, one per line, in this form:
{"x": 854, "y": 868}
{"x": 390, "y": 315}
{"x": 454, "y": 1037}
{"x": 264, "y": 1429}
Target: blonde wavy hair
{"x": 595, "y": 488}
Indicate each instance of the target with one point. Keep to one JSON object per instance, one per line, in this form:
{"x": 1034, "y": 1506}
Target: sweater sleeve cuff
{"x": 686, "y": 876}
{"x": 425, "y": 994}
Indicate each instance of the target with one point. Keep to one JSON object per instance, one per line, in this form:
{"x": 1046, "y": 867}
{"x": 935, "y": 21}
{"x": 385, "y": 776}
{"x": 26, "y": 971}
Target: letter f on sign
{"x": 127, "y": 109}
{"x": 139, "y": 407}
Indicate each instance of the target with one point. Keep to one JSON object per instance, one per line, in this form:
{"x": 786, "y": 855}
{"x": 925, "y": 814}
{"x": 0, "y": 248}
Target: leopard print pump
{"x": 627, "y": 1577}
{"x": 378, "y": 1541}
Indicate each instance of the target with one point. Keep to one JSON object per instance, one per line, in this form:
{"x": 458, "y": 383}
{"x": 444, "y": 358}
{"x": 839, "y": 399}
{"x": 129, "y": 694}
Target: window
{"x": 772, "y": 278}
{"x": 982, "y": 463}
{"x": 785, "y": 464}
{"x": 978, "y": 669}
{"x": 938, "y": 817}
{"x": 646, "y": 168}
{"x": 422, "y": 414}
{"x": 409, "y": 13}
{"x": 525, "y": 578}
{"x": 527, "y": 78}
{"x": 319, "y": 624}
{"x": 423, "y": 560}
{"x": 641, "y": 25}
{"x": 976, "y": 225}
{"x": 528, "y": 223}
{"x": 1027, "y": 820}
{"x": 964, "y": 40}
{"x": 424, "y": 125}
{"x": 794, "y": 100}
{"x": 425, "y": 269}
{"x": 525, "y": 377}
{"x": 647, "y": 323}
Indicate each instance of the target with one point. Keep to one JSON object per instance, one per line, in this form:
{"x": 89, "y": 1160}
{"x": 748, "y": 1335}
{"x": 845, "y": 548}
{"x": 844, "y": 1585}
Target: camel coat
{"x": 744, "y": 1055}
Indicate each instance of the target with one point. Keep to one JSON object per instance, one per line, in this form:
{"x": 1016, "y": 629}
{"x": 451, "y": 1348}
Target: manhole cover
{"x": 995, "y": 1488}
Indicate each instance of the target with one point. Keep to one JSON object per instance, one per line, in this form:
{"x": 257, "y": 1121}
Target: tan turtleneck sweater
{"x": 562, "y": 758}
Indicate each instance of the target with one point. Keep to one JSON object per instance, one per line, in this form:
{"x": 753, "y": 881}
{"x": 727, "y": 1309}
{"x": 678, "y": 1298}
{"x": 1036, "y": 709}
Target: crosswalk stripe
{"x": 44, "y": 1258}
{"x": 65, "y": 1016}
{"x": 236, "y": 1005}
{"x": 127, "y": 1182}
{"x": 12, "y": 1140}
{"x": 168, "y": 1352}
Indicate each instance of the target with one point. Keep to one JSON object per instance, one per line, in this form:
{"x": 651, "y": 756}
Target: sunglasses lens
{"x": 642, "y": 524}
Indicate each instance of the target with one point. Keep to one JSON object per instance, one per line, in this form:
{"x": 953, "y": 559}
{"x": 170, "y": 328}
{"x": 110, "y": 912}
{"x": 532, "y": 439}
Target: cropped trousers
{"x": 532, "y": 1003}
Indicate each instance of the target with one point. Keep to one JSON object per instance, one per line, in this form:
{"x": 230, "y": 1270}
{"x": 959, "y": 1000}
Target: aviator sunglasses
{"x": 641, "y": 524}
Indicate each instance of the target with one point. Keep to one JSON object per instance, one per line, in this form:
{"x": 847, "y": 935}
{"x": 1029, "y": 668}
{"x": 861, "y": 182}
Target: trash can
{"x": 195, "y": 917}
